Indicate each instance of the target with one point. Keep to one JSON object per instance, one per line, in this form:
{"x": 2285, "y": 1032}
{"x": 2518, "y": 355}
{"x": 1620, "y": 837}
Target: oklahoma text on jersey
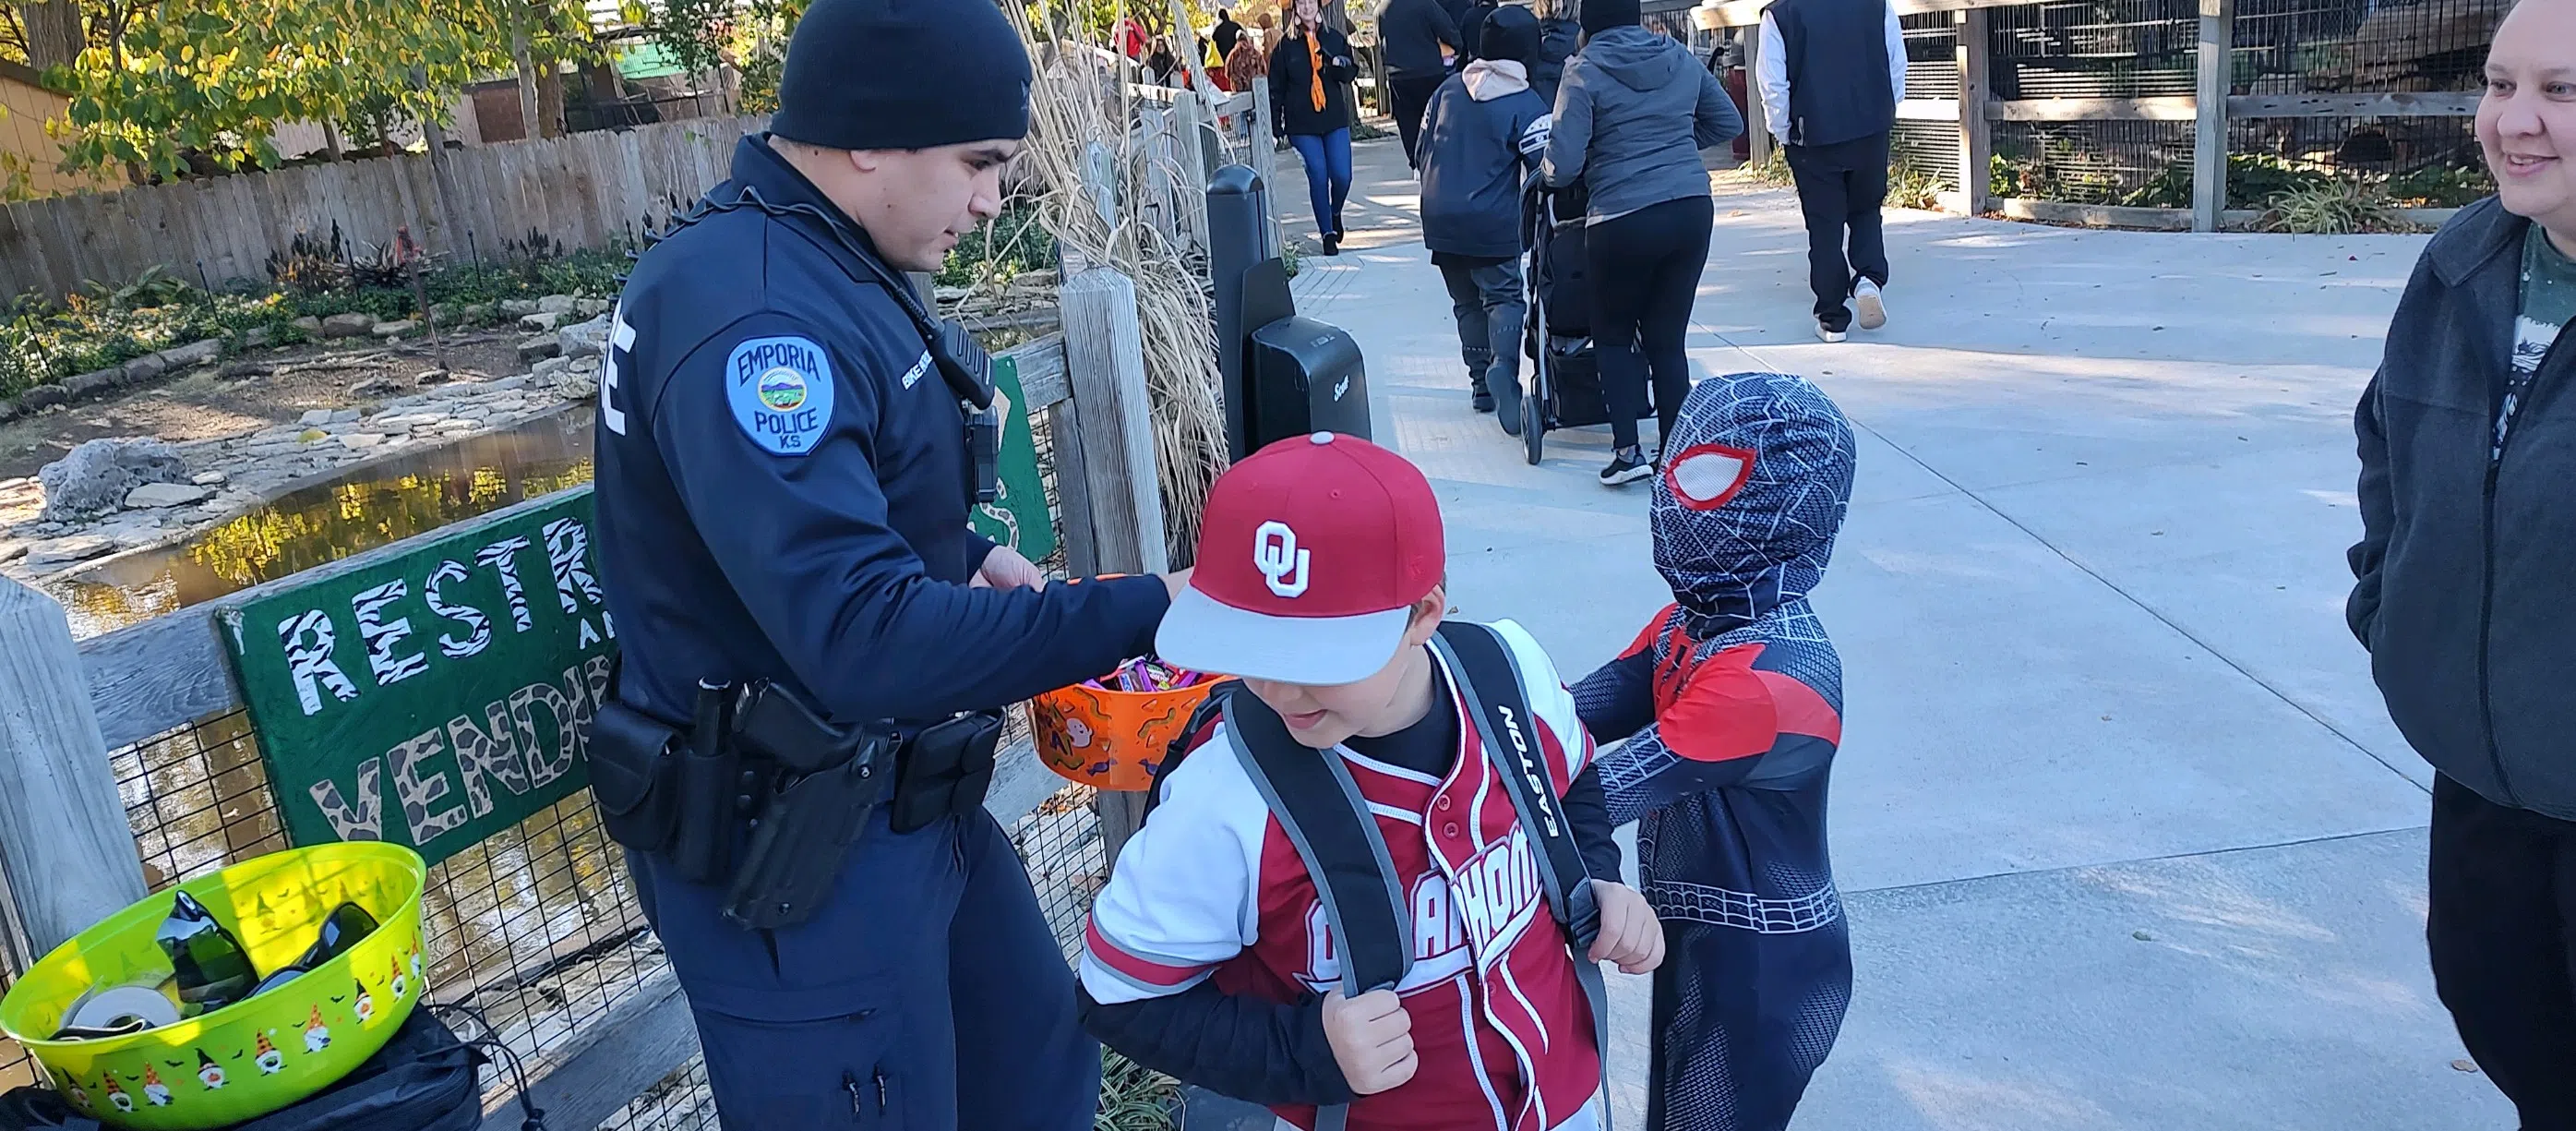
{"x": 1211, "y": 887}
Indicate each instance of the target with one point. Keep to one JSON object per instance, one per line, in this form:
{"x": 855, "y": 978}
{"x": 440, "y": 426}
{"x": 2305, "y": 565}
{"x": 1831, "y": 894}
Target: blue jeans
{"x": 1328, "y": 175}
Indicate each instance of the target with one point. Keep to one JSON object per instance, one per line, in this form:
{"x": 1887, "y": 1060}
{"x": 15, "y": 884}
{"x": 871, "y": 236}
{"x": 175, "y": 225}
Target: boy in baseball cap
{"x": 1436, "y": 977}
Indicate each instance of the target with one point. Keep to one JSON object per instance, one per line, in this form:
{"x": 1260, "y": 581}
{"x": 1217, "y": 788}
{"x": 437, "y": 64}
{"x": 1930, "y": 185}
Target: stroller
{"x": 1565, "y": 371}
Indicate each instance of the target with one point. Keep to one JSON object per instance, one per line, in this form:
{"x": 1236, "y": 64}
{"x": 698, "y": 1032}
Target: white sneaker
{"x": 1825, "y": 335}
{"x": 1873, "y": 306}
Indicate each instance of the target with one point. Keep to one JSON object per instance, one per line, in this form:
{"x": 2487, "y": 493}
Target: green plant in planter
{"x": 2339, "y": 206}
{"x": 1909, "y": 187}
{"x": 1133, "y": 1098}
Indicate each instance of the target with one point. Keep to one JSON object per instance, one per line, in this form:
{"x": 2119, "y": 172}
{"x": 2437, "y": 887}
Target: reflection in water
{"x": 381, "y": 503}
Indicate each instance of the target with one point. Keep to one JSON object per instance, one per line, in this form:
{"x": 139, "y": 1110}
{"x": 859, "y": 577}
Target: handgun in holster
{"x": 824, "y": 785}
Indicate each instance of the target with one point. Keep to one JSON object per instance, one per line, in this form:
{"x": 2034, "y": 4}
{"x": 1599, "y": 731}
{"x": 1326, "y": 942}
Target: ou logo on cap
{"x": 1282, "y": 564}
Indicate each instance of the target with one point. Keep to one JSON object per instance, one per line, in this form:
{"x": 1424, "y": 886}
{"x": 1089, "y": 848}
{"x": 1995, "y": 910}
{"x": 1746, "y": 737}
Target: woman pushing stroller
{"x": 1632, "y": 113}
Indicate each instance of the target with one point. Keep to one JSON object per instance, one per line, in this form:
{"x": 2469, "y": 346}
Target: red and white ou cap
{"x": 1311, "y": 555}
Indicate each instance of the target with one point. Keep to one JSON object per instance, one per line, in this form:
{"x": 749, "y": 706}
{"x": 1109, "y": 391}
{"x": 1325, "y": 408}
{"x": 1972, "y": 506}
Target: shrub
{"x": 107, "y": 324}
{"x": 2339, "y": 206}
{"x": 2440, "y": 186}
{"x": 1015, "y": 242}
{"x": 1909, "y": 187}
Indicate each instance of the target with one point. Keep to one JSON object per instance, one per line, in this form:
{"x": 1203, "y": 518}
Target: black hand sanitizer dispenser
{"x": 1285, "y": 375}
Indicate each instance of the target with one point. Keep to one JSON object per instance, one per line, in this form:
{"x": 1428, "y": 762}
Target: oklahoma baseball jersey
{"x": 1212, "y": 888}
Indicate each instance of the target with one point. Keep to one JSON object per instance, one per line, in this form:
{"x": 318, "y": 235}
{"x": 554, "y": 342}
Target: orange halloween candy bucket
{"x": 1111, "y": 732}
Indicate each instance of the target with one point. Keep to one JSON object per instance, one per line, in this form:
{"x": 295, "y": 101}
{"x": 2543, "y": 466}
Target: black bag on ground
{"x": 425, "y": 1079}
{"x": 40, "y": 1109}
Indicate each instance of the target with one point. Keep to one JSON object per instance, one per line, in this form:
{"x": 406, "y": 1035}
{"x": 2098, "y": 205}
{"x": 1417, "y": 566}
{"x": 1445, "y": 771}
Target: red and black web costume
{"x": 1730, "y": 705}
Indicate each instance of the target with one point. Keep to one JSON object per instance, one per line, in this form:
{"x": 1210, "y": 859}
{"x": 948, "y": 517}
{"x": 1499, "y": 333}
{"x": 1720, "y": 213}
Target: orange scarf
{"x": 1315, "y": 68}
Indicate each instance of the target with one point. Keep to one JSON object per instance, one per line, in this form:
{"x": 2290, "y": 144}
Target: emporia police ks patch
{"x": 781, "y": 392}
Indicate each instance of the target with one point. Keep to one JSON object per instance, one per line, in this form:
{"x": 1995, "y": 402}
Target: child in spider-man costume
{"x": 1731, "y": 705}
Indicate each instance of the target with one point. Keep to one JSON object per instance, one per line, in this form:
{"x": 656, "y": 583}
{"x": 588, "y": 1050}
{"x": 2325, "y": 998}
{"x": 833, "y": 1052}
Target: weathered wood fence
{"x": 2210, "y": 109}
{"x": 68, "y": 849}
{"x": 581, "y": 190}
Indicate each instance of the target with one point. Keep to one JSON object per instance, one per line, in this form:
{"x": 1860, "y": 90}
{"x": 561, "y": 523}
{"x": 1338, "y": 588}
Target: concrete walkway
{"x": 2127, "y": 839}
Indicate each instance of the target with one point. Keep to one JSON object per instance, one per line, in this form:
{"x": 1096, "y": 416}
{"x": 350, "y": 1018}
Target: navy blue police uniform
{"x": 783, "y": 490}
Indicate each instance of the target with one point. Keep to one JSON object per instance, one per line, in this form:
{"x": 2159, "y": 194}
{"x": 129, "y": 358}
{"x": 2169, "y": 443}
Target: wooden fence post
{"x": 66, "y": 853}
{"x": 1104, "y": 361}
{"x": 1976, "y": 133}
{"x": 2209, "y": 133}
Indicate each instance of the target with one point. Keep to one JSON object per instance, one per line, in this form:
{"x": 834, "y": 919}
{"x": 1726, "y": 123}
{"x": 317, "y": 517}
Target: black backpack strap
{"x": 1315, "y": 800}
{"x": 1209, "y": 710}
{"x": 1497, "y": 698}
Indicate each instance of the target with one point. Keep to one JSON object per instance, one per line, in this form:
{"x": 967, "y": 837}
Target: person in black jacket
{"x": 2463, "y": 592}
{"x": 1420, "y": 39}
{"x": 1831, "y": 73}
{"x": 1225, "y": 33}
{"x": 1471, "y": 35}
{"x": 1559, "y": 34}
{"x": 1484, "y": 133}
{"x": 1310, "y": 75}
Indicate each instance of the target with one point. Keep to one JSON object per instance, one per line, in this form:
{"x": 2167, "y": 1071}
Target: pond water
{"x": 368, "y": 507}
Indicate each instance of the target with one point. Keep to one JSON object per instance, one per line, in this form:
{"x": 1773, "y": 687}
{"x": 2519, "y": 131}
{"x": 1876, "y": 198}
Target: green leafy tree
{"x": 160, "y": 79}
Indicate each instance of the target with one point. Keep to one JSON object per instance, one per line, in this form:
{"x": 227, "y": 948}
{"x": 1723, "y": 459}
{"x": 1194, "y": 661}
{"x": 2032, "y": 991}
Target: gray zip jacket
{"x": 1632, "y": 114}
{"x": 2463, "y": 592}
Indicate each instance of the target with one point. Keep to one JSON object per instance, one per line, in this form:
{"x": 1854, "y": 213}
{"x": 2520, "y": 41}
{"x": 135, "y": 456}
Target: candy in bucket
{"x": 1112, "y": 732}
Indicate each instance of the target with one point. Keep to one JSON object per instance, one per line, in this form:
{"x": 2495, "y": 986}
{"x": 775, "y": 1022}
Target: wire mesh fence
{"x": 537, "y": 928}
{"x": 2301, "y": 46}
{"x": 1927, "y": 150}
{"x": 2094, "y": 49}
{"x": 2133, "y": 49}
{"x": 2142, "y": 164}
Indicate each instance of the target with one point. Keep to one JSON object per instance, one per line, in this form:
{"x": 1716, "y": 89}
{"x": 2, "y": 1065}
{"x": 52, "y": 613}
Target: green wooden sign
{"x": 438, "y": 696}
{"x": 1019, "y": 518}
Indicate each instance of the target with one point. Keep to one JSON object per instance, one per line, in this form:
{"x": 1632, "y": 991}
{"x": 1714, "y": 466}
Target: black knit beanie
{"x": 1511, "y": 32}
{"x": 903, "y": 74}
{"x": 1602, "y": 15}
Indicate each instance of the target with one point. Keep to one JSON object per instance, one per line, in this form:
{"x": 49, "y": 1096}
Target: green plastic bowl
{"x": 263, "y": 1053}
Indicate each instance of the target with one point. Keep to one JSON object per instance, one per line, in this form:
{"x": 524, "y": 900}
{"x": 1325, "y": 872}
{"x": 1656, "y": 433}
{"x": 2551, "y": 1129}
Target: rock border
{"x": 150, "y": 367}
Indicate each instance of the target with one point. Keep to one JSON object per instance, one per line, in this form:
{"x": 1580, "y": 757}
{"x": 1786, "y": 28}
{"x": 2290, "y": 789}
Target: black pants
{"x": 1644, "y": 268}
{"x": 1412, "y": 99}
{"x": 2504, "y": 957}
{"x": 1840, "y": 189}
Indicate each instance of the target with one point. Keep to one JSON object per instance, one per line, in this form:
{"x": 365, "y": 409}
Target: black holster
{"x": 946, "y": 770}
{"x": 814, "y": 800}
{"x": 711, "y": 789}
{"x": 634, "y": 776}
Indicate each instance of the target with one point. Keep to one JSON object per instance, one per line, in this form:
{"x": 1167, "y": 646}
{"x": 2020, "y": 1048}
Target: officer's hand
{"x": 1006, "y": 568}
{"x": 1176, "y": 581}
{"x": 1630, "y": 934}
{"x": 1372, "y": 1039}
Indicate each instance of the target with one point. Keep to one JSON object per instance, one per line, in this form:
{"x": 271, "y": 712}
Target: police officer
{"x": 784, "y": 477}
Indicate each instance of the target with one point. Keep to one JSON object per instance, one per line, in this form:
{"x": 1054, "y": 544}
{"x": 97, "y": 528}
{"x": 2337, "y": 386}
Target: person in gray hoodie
{"x": 1484, "y": 131}
{"x": 1632, "y": 114}
{"x": 2462, "y": 588}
